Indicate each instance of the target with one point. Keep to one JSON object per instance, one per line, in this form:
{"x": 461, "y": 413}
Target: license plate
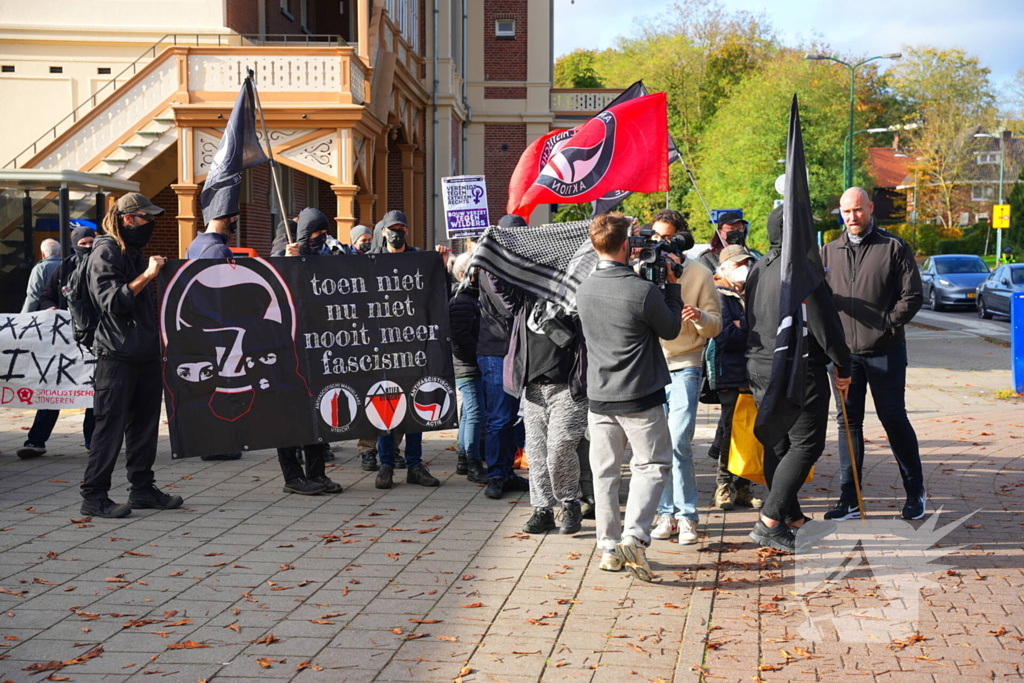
{"x": 972, "y": 295}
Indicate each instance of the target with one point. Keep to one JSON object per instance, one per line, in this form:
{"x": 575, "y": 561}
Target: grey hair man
{"x": 50, "y": 251}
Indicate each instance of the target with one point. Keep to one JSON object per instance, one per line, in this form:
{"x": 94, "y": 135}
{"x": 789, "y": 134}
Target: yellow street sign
{"x": 1001, "y": 216}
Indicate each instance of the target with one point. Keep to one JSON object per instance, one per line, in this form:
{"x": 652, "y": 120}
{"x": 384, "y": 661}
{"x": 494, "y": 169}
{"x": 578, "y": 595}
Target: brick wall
{"x": 396, "y": 195}
{"x": 503, "y": 144}
{"x": 257, "y": 232}
{"x": 504, "y": 93}
{"x": 505, "y": 59}
{"x": 277, "y": 22}
{"x": 328, "y": 202}
{"x": 165, "y": 238}
{"x": 242, "y": 16}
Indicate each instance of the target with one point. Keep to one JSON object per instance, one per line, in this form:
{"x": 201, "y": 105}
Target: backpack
{"x": 84, "y": 315}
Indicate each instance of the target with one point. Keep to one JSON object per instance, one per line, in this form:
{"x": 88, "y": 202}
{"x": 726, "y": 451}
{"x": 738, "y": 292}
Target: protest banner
{"x": 41, "y": 365}
{"x": 264, "y": 353}
{"x": 465, "y": 205}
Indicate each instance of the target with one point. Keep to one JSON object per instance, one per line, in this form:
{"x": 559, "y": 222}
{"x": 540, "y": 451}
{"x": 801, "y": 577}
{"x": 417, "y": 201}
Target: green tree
{"x": 576, "y": 70}
{"x": 949, "y": 92}
{"x": 1014, "y": 236}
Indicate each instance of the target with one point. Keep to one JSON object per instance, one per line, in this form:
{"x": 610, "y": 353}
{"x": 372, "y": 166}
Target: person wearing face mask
{"x": 728, "y": 368}
{"x": 127, "y": 381}
{"x": 361, "y": 239}
{"x": 52, "y": 297}
{"x": 732, "y": 229}
{"x": 214, "y": 244}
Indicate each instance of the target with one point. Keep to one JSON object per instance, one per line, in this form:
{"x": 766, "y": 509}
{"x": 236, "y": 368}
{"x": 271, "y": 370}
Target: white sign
{"x": 465, "y": 205}
{"x": 41, "y": 365}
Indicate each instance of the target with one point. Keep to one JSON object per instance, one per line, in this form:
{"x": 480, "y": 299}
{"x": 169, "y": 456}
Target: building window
{"x": 304, "y": 16}
{"x": 56, "y": 69}
{"x": 286, "y": 9}
{"x": 7, "y": 69}
{"x": 505, "y": 28}
{"x": 988, "y": 158}
{"x": 982, "y": 193}
{"x": 103, "y": 70}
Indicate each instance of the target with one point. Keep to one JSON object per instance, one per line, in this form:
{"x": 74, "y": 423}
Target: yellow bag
{"x": 746, "y": 453}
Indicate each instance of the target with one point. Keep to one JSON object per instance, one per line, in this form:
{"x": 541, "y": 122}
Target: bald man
{"x": 877, "y": 288}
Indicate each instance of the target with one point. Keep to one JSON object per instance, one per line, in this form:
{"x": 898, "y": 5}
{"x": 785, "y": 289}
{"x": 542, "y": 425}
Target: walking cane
{"x": 849, "y": 450}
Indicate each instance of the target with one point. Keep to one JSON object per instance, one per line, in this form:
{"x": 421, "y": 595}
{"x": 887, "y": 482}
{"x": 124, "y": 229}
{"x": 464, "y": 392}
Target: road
{"x": 966, "y": 322}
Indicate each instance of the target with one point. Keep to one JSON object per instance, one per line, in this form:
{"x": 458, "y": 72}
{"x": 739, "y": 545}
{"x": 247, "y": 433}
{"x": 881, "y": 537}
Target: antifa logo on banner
{"x": 432, "y": 400}
{"x": 386, "y": 405}
{"x": 569, "y": 170}
{"x": 339, "y": 407}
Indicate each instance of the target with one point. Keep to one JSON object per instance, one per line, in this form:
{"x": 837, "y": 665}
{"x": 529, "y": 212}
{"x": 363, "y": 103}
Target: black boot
{"x": 543, "y": 520}
{"x": 572, "y": 517}
{"x": 421, "y": 475}
{"x": 385, "y": 478}
{"x": 369, "y": 461}
{"x": 588, "y": 507}
{"x": 477, "y": 472}
{"x": 462, "y": 466}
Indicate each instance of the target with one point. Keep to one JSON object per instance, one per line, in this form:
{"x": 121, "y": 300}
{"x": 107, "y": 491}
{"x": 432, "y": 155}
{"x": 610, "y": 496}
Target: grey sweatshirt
{"x": 623, "y": 316}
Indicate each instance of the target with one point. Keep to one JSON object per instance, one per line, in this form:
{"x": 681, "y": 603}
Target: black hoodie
{"x": 763, "y": 290}
{"x": 127, "y": 326}
{"x": 310, "y": 220}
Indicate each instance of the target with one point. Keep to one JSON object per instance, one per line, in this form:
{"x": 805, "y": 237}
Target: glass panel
{"x": 962, "y": 264}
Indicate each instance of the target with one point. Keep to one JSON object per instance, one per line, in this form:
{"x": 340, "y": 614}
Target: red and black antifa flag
{"x": 615, "y": 197}
{"x": 801, "y": 273}
{"x": 622, "y": 148}
{"x": 263, "y": 353}
{"x": 238, "y": 150}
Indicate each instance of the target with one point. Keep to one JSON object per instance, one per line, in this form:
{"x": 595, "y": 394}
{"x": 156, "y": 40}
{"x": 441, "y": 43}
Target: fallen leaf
{"x": 414, "y": 636}
{"x": 267, "y": 639}
{"x": 438, "y": 621}
{"x": 187, "y": 645}
{"x": 265, "y": 662}
{"x": 473, "y": 604}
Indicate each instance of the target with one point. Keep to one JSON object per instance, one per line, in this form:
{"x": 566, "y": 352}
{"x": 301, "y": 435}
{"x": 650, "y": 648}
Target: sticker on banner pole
{"x": 465, "y": 205}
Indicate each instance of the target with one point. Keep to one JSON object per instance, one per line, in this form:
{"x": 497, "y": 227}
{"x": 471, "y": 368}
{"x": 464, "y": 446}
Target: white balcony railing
{"x": 581, "y": 100}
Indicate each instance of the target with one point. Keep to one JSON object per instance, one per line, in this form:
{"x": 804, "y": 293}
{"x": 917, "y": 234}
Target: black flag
{"x": 239, "y": 149}
{"x": 616, "y": 197}
{"x": 801, "y": 273}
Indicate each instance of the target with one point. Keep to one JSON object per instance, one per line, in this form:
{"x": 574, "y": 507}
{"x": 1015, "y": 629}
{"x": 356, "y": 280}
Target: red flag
{"x": 622, "y": 148}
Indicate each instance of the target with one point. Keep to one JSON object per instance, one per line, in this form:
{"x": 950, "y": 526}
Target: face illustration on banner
{"x": 229, "y": 333}
{"x": 386, "y": 405}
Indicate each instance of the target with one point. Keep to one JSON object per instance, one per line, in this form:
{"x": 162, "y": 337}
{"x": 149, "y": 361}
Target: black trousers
{"x": 787, "y": 465}
{"x": 291, "y": 468}
{"x": 126, "y": 407}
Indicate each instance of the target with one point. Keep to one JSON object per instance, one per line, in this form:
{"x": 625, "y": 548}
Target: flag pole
{"x": 853, "y": 459}
{"x": 693, "y": 181}
{"x": 270, "y": 157}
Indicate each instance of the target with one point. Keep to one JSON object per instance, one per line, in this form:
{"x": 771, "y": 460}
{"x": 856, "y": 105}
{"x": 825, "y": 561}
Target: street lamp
{"x": 848, "y": 161}
{"x": 1002, "y": 156}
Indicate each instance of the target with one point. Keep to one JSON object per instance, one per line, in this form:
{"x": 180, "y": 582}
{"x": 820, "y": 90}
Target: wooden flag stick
{"x": 853, "y": 458}
{"x": 270, "y": 157}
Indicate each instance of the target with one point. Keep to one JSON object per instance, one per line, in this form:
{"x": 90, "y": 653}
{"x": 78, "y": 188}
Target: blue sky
{"x": 990, "y": 29}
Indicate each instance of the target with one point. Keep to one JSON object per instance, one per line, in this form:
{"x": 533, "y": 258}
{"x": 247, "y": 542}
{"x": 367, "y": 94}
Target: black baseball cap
{"x": 394, "y": 218}
{"x": 730, "y": 217}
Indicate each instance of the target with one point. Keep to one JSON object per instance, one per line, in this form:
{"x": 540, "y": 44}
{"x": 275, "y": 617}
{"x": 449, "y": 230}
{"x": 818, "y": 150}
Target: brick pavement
{"x": 415, "y": 584}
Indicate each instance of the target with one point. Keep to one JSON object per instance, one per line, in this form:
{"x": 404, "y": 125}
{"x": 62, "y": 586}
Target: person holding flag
{"x": 794, "y": 332}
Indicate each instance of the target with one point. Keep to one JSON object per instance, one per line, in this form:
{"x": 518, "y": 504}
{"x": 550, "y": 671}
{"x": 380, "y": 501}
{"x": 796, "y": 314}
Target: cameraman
{"x": 623, "y": 316}
{"x": 701, "y": 320}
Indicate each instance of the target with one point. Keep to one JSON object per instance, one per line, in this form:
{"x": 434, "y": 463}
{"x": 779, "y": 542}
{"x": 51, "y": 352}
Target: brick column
{"x": 187, "y": 203}
{"x": 419, "y": 215}
{"x": 380, "y": 173}
{"x": 408, "y": 194}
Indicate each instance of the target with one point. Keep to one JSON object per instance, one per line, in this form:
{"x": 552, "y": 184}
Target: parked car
{"x": 995, "y": 292}
{"x": 952, "y": 280}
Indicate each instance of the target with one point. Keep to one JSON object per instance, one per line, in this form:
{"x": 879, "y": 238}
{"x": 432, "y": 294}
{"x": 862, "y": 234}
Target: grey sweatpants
{"x": 648, "y": 435}
{"x": 554, "y": 426}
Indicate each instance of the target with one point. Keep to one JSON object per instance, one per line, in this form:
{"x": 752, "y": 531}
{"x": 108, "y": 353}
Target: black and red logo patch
{"x": 571, "y": 166}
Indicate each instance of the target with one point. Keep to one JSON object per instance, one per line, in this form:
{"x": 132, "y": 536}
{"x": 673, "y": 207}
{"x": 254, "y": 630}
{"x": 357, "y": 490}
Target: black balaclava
{"x": 78, "y": 234}
{"x": 138, "y": 236}
{"x": 512, "y": 221}
{"x": 311, "y": 220}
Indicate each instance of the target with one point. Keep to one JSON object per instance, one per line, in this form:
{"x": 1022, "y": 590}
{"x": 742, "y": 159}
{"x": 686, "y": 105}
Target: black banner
{"x": 262, "y": 353}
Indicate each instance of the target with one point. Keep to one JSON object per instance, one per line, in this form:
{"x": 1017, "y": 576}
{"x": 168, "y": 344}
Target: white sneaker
{"x": 665, "y": 526}
{"x": 611, "y": 561}
{"x": 635, "y": 557}
{"x": 688, "y": 532}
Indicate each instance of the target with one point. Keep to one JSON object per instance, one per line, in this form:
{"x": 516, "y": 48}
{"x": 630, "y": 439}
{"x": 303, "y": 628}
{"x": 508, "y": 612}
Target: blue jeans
{"x": 679, "y": 498}
{"x": 46, "y": 420}
{"x": 472, "y": 418}
{"x": 500, "y": 415}
{"x": 413, "y": 450}
{"x": 886, "y": 374}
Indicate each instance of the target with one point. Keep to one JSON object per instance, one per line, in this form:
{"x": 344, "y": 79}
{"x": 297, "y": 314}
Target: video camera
{"x": 653, "y": 264}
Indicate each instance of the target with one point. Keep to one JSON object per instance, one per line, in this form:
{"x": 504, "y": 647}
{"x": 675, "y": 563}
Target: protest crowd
{"x": 613, "y": 337}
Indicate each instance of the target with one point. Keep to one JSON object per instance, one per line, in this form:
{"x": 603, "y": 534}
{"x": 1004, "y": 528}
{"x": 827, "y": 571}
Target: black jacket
{"x": 464, "y": 312}
{"x": 495, "y": 317}
{"x": 731, "y": 342}
{"x": 876, "y": 287}
{"x": 127, "y": 328}
{"x": 52, "y": 295}
{"x": 763, "y": 290}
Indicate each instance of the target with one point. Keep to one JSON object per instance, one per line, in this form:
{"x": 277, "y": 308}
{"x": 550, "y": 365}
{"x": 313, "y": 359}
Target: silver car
{"x": 996, "y": 291}
{"x": 952, "y": 280}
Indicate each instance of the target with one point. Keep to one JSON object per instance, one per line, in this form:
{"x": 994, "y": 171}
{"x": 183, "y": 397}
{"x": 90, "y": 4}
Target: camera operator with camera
{"x": 701, "y": 320}
{"x": 623, "y": 317}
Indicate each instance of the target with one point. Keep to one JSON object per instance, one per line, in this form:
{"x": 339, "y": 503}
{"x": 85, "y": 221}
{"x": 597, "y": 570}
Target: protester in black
{"x": 128, "y": 386}
{"x": 464, "y": 313}
{"x": 787, "y": 465}
{"x": 52, "y": 297}
{"x": 310, "y": 240}
{"x": 732, "y": 229}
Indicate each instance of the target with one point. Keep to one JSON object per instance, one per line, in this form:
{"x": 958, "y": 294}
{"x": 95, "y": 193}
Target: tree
{"x": 949, "y": 92}
{"x": 576, "y": 70}
{"x": 1014, "y": 236}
